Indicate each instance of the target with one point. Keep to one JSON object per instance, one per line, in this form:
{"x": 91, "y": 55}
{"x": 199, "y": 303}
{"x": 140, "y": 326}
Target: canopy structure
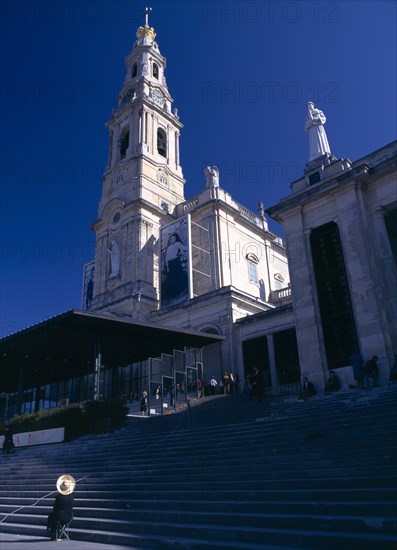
{"x": 69, "y": 345}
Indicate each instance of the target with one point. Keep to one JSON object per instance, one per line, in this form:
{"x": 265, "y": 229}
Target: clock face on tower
{"x": 158, "y": 97}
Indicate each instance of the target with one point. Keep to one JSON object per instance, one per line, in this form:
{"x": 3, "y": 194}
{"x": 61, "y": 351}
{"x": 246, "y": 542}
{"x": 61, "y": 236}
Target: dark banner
{"x": 175, "y": 264}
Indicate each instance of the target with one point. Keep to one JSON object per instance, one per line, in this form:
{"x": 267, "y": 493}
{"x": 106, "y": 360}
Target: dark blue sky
{"x": 240, "y": 72}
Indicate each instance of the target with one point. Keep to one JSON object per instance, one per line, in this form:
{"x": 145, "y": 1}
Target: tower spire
{"x": 146, "y": 16}
{"x": 142, "y": 184}
{"x": 146, "y": 34}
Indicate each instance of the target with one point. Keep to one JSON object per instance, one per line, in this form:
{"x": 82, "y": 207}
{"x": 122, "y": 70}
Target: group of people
{"x": 228, "y": 384}
{"x": 366, "y": 375}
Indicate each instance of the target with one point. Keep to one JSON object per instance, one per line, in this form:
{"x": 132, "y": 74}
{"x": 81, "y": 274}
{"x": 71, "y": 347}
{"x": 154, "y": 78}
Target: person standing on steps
{"x": 144, "y": 403}
{"x": 333, "y": 383}
{"x": 258, "y": 385}
{"x": 226, "y": 382}
{"x": 231, "y": 383}
{"x": 213, "y": 385}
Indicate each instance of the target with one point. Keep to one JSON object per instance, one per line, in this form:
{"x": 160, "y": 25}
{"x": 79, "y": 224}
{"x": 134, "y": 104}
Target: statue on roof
{"x": 211, "y": 176}
{"x": 314, "y": 126}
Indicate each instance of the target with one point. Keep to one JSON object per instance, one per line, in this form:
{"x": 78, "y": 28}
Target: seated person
{"x": 307, "y": 389}
{"x": 62, "y": 510}
{"x": 333, "y": 383}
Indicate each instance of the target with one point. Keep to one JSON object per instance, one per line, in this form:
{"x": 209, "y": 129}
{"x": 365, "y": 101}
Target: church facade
{"x": 200, "y": 263}
{"x": 209, "y": 264}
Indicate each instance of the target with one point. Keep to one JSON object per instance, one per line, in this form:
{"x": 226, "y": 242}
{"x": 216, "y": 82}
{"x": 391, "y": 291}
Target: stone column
{"x": 311, "y": 349}
{"x": 142, "y": 120}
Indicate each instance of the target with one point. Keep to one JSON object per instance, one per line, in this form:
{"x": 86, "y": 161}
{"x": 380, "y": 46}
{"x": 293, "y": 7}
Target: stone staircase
{"x": 227, "y": 472}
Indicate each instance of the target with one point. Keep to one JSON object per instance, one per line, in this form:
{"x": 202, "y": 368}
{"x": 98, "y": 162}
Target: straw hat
{"x": 66, "y": 484}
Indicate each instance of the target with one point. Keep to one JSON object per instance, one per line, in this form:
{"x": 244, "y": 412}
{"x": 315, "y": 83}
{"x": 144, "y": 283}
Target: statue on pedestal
{"x": 314, "y": 126}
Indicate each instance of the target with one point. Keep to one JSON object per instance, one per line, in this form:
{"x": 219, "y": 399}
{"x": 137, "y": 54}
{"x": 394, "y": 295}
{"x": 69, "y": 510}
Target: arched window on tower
{"x": 155, "y": 70}
{"x": 124, "y": 141}
{"x": 161, "y": 142}
{"x": 134, "y": 70}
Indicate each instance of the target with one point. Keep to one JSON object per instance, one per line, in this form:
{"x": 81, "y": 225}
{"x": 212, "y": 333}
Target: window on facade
{"x": 252, "y": 262}
{"x": 134, "y": 71}
{"x": 253, "y": 272}
{"x": 123, "y": 144}
{"x": 155, "y": 70}
{"x": 161, "y": 142}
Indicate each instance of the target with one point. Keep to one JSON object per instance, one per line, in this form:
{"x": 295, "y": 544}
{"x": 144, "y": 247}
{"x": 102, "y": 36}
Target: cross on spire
{"x": 146, "y": 16}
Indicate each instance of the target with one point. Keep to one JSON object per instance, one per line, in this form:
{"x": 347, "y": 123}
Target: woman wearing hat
{"x": 62, "y": 511}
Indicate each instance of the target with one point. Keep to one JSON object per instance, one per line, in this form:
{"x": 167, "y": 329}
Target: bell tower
{"x": 141, "y": 185}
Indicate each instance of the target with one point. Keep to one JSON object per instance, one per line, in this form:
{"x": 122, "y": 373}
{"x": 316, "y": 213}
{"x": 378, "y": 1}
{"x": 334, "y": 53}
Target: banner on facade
{"x": 40, "y": 437}
{"x": 175, "y": 262}
{"x": 88, "y": 284}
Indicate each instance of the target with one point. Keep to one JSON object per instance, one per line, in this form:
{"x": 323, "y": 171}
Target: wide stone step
{"x": 314, "y": 448}
{"x": 234, "y": 516}
{"x": 267, "y": 472}
{"x": 321, "y": 495}
{"x": 140, "y": 485}
{"x": 341, "y": 508}
{"x": 196, "y": 536}
{"x": 271, "y": 460}
{"x": 182, "y": 474}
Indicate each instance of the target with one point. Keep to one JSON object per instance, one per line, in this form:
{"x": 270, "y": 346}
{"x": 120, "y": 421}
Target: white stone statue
{"x": 211, "y": 176}
{"x": 314, "y": 126}
{"x": 114, "y": 253}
